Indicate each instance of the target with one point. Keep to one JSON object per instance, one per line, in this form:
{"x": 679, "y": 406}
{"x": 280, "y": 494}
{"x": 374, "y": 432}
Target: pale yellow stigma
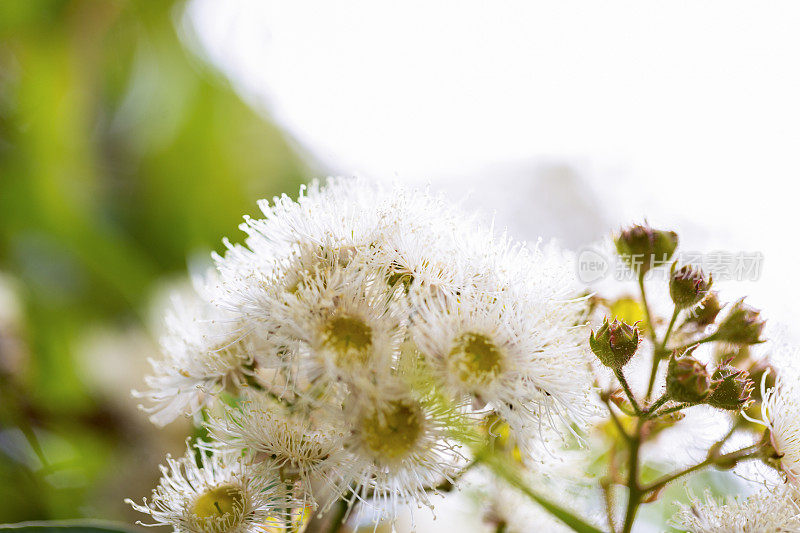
{"x": 350, "y": 338}
{"x": 220, "y": 508}
{"x": 475, "y": 359}
{"x": 393, "y": 431}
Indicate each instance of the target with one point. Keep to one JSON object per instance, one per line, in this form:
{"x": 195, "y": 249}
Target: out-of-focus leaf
{"x": 86, "y": 526}
{"x": 629, "y": 311}
{"x": 122, "y": 153}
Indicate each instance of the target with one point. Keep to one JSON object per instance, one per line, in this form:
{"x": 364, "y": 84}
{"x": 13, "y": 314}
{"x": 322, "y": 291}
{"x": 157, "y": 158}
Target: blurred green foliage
{"x": 121, "y": 154}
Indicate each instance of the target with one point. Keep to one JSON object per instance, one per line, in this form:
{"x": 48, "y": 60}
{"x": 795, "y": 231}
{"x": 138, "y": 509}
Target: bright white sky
{"x": 685, "y": 112}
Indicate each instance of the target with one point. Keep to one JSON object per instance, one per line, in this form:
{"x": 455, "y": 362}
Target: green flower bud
{"x": 705, "y": 313}
{"x": 615, "y": 343}
{"x": 742, "y": 325}
{"x": 643, "y": 247}
{"x": 687, "y": 379}
{"x": 687, "y": 286}
{"x": 732, "y": 390}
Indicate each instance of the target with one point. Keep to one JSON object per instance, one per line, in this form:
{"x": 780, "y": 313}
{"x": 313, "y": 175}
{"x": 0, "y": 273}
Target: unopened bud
{"x": 643, "y": 247}
{"x": 742, "y": 325}
{"x": 688, "y": 286}
{"x": 614, "y": 343}
{"x": 732, "y": 390}
{"x": 687, "y": 378}
{"x": 705, "y": 313}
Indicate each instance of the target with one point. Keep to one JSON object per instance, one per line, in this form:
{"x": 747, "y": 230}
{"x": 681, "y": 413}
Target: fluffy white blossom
{"x": 342, "y": 322}
{"x": 781, "y": 414}
{"x": 400, "y": 447}
{"x": 366, "y": 332}
{"x": 204, "y": 349}
{"x": 765, "y": 512}
{"x": 224, "y": 494}
{"x": 305, "y": 445}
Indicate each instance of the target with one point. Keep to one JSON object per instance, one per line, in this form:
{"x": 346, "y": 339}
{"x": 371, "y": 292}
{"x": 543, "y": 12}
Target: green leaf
{"x": 68, "y": 526}
{"x": 511, "y": 476}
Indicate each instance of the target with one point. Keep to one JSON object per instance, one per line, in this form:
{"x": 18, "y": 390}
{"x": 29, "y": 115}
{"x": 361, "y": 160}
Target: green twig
{"x": 651, "y": 330}
{"x": 656, "y": 404}
{"x": 749, "y": 452}
{"x": 617, "y": 422}
{"x": 686, "y": 346}
{"x": 627, "y": 389}
{"x": 634, "y": 491}
{"x": 664, "y": 341}
{"x": 510, "y": 476}
{"x": 672, "y": 409}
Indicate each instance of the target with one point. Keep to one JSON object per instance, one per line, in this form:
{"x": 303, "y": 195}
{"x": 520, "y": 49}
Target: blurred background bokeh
{"x": 134, "y": 135}
{"x": 122, "y": 155}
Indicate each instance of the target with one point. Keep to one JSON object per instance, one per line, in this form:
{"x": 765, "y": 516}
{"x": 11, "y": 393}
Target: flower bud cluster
{"x": 688, "y": 381}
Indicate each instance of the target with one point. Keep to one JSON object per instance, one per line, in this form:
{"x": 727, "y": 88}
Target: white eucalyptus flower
{"x": 343, "y": 322}
{"x": 204, "y": 349}
{"x": 224, "y": 494}
{"x": 399, "y": 447}
{"x": 781, "y": 414}
{"x": 303, "y": 444}
{"x": 765, "y": 512}
{"x": 520, "y": 353}
{"x": 357, "y": 324}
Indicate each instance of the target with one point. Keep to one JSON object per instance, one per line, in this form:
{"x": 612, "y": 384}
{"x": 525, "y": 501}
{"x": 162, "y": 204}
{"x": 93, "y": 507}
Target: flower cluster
{"x": 353, "y": 349}
{"x": 762, "y": 512}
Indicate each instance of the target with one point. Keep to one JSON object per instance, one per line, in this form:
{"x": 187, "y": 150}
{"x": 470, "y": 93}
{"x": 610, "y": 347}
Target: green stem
{"x": 675, "y": 314}
{"x": 658, "y": 403}
{"x": 745, "y": 453}
{"x": 671, "y": 410}
{"x": 608, "y": 500}
{"x": 634, "y": 491}
{"x": 717, "y": 446}
{"x": 651, "y": 330}
{"x": 627, "y": 389}
{"x": 653, "y": 372}
{"x": 658, "y": 352}
{"x": 704, "y": 340}
{"x": 650, "y": 326}
{"x": 510, "y": 476}
{"x": 617, "y": 422}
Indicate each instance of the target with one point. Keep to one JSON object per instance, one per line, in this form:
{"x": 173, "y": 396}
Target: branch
{"x": 499, "y": 468}
{"x": 656, "y": 404}
{"x": 671, "y": 410}
{"x": 651, "y": 330}
{"x": 684, "y": 347}
{"x": 627, "y": 389}
{"x": 617, "y": 421}
{"x": 749, "y": 452}
{"x": 634, "y": 491}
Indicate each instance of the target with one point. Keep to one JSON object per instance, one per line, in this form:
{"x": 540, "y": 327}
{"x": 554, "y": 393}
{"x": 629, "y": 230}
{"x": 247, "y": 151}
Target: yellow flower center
{"x": 475, "y": 359}
{"x": 221, "y": 507}
{"x": 350, "y": 338}
{"x": 393, "y": 431}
